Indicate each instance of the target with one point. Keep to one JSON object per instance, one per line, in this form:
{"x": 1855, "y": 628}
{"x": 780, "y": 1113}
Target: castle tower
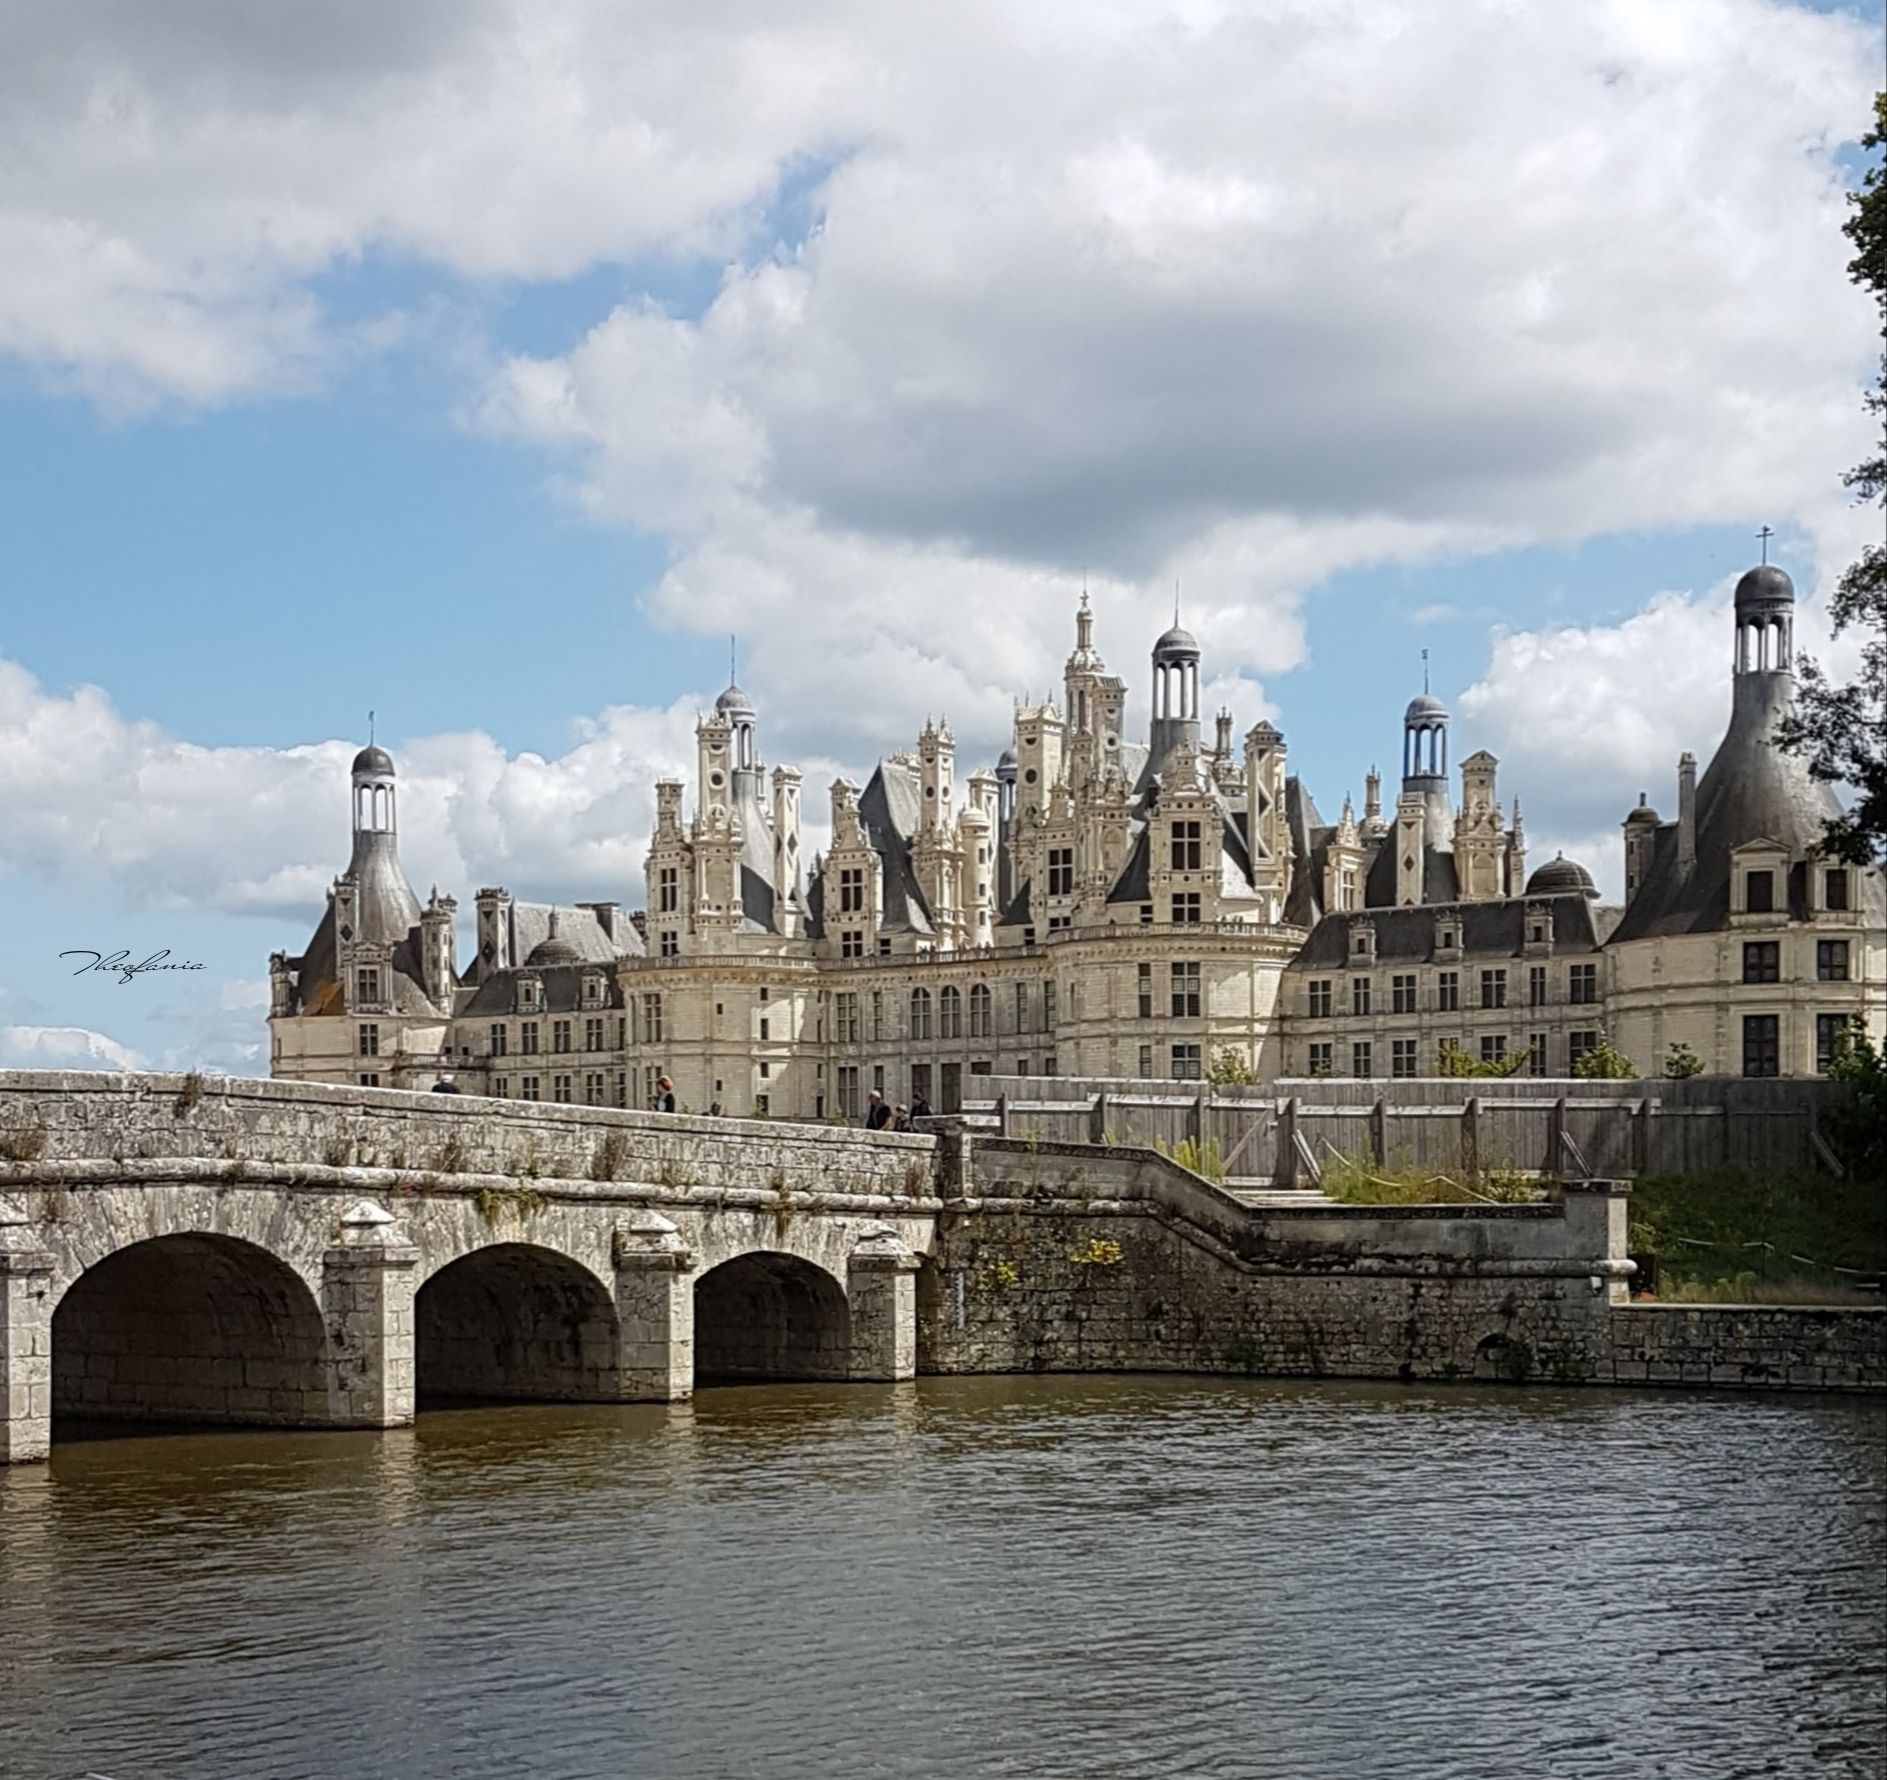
{"x": 1480, "y": 845}
{"x": 786, "y": 882}
{"x": 1175, "y": 723}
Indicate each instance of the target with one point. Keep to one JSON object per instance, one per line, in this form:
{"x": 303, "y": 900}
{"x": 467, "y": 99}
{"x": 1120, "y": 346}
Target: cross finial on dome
{"x": 1765, "y": 535}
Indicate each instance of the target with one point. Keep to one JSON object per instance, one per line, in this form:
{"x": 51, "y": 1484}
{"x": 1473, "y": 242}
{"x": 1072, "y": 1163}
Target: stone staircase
{"x": 1258, "y": 1192}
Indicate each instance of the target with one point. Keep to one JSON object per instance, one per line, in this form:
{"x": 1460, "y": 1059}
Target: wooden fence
{"x": 1292, "y": 1133}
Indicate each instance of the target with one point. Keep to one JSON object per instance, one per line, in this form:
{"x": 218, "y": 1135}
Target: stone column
{"x": 655, "y": 1310}
{"x": 882, "y": 1288}
{"x": 25, "y": 1340}
{"x": 1598, "y": 1214}
{"x": 367, "y": 1284}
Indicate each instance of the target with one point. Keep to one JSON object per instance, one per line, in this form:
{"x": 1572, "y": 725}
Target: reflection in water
{"x": 1027, "y": 1577}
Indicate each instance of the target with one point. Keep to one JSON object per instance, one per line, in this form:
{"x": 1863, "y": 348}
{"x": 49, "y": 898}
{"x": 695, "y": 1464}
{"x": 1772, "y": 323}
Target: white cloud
{"x": 63, "y": 1047}
{"x": 87, "y": 794}
{"x": 1584, "y": 717}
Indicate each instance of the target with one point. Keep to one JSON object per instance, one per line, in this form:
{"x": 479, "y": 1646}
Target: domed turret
{"x": 374, "y": 762}
{"x": 553, "y": 950}
{"x": 734, "y": 703}
{"x": 1562, "y": 877}
{"x": 1765, "y": 621}
{"x": 1176, "y": 644}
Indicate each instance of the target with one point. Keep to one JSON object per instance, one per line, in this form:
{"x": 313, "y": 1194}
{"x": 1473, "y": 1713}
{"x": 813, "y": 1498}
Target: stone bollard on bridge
{"x": 25, "y": 1341}
{"x": 368, "y": 1279}
{"x": 1598, "y": 1214}
{"x": 655, "y": 1310}
{"x": 881, "y": 1285}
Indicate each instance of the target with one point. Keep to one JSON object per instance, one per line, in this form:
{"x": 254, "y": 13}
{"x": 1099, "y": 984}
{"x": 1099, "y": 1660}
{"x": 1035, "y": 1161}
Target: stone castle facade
{"x": 1105, "y": 907}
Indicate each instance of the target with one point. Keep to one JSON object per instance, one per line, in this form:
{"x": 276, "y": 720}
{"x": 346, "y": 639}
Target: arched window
{"x": 981, "y": 1025}
{"x": 920, "y": 1013}
{"x": 950, "y": 1013}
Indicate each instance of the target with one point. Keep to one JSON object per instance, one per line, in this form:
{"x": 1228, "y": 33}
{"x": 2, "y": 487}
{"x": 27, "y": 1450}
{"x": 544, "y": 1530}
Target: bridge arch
{"x": 771, "y": 1315}
{"x": 191, "y": 1326}
{"x": 516, "y": 1320}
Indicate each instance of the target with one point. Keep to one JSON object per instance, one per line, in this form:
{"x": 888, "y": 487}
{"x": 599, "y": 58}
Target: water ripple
{"x": 1103, "y": 1578}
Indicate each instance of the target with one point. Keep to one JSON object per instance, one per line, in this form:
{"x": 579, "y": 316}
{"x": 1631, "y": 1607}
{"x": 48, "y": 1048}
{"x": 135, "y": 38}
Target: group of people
{"x": 880, "y": 1117}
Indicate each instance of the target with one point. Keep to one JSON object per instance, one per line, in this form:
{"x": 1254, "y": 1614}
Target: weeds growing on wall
{"x": 612, "y": 1151}
{"x": 189, "y": 1092}
{"x": 1360, "y": 1183}
{"x": 1202, "y": 1159}
{"x": 451, "y": 1158}
{"x": 493, "y": 1202}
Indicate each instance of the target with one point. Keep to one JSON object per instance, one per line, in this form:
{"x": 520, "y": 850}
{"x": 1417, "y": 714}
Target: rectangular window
{"x": 1146, "y": 914}
{"x": 1022, "y": 1007}
{"x": 1759, "y": 892}
{"x": 983, "y": 1066}
{"x": 1762, "y": 1044}
{"x": 1323, "y": 1058}
{"x": 1448, "y": 991}
{"x": 1493, "y": 988}
{"x": 1146, "y": 992}
{"x": 1186, "y": 909}
{"x": 1360, "y": 1059}
{"x": 593, "y": 1035}
{"x": 1320, "y": 998}
{"x": 1493, "y": 1048}
{"x": 1048, "y": 1007}
{"x": 560, "y": 1035}
{"x": 670, "y": 946}
{"x": 501, "y": 1087}
{"x": 1762, "y": 961}
{"x": 1186, "y": 846}
{"x": 920, "y": 1013}
{"x": 498, "y": 1039}
{"x": 1582, "y": 985}
{"x": 651, "y": 1019}
{"x": 1536, "y": 985}
{"x": 1146, "y": 1062}
{"x": 1831, "y": 960}
{"x": 951, "y": 1080}
{"x": 851, "y": 943}
{"x": 593, "y": 1088}
{"x": 667, "y": 890}
{"x": 1359, "y": 995}
{"x": 1834, "y": 890}
{"x": 920, "y": 1083}
{"x": 370, "y": 1041}
{"x": 848, "y": 1090}
{"x": 1186, "y": 1063}
{"x": 370, "y": 1081}
{"x": 1402, "y": 1057}
{"x": 1060, "y": 923}
{"x": 1402, "y": 994}
{"x": 878, "y": 1079}
{"x": 852, "y": 890}
{"x": 1536, "y": 1053}
{"x": 622, "y": 1087}
{"x": 980, "y": 1025}
{"x": 528, "y": 1088}
{"x": 1186, "y": 991}
{"x": 367, "y": 983}
{"x": 1831, "y": 1035}
{"x": 845, "y": 1019}
{"x": 1061, "y": 871}
{"x": 877, "y": 1016}
{"x": 527, "y": 1037}
{"x": 560, "y": 1087}
{"x": 1577, "y": 1045}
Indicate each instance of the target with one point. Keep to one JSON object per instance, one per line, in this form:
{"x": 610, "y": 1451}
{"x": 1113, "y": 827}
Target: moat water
{"x": 1000, "y": 1576}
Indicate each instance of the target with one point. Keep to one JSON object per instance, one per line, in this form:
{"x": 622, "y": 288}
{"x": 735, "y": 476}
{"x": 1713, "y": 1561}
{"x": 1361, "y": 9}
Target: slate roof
{"x": 386, "y": 914}
{"x": 1488, "y": 930}
{"x": 563, "y": 991}
{"x": 1751, "y": 789}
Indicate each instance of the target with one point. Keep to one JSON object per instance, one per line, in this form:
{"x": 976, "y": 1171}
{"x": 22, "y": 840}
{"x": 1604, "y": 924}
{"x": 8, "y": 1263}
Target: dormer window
{"x": 367, "y": 983}
{"x": 530, "y": 995}
{"x": 1447, "y": 937}
{"x": 592, "y": 990}
{"x": 1759, "y": 892}
{"x": 1834, "y": 886}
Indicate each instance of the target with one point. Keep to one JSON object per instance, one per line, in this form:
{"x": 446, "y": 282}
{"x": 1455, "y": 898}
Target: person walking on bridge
{"x": 879, "y": 1115}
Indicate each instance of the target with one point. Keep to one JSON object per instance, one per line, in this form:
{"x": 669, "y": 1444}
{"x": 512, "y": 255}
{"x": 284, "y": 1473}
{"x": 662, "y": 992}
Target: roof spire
{"x": 370, "y": 729}
{"x": 1765, "y": 535}
{"x": 1425, "y": 672}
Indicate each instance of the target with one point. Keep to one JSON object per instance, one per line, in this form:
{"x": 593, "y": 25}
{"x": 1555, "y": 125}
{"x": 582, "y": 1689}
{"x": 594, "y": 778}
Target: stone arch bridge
{"x": 178, "y": 1249}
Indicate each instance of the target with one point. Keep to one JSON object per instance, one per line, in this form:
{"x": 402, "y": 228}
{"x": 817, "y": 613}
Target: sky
{"x": 488, "y": 364}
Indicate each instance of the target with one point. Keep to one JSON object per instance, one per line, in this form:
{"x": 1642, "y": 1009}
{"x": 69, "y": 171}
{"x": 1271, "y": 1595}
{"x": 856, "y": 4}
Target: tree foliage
{"x": 1455, "y": 1061}
{"x": 1858, "y": 1129}
{"x": 1230, "y": 1069}
{"x": 1841, "y": 731}
{"x": 1683, "y": 1062}
{"x": 1605, "y": 1062}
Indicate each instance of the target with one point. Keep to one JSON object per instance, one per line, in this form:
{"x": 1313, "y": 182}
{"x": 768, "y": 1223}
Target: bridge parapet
{"x": 74, "y": 1115}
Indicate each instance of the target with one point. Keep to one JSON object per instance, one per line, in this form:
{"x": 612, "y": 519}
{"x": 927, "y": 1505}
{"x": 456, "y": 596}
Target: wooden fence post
{"x": 1471, "y": 1136}
{"x": 1284, "y": 1170}
{"x": 1379, "y": 1134}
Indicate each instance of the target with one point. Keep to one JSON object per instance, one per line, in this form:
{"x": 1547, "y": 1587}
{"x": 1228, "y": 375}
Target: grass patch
{"x": 1762, "y": 1236}
{"x": 1354, "y": 1184}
